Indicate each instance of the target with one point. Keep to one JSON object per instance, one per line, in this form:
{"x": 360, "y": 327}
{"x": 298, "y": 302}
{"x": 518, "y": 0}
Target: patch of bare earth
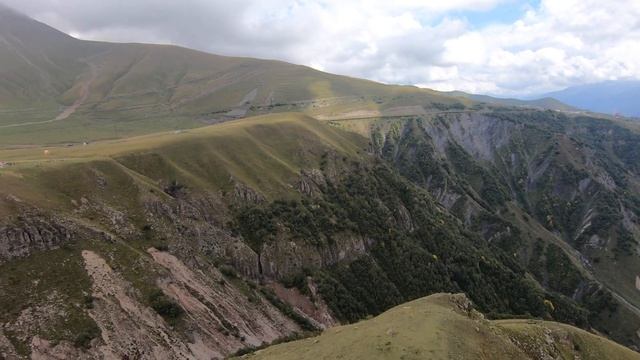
{"x": 363, "y": 114}
{"x": 83, "y": 96}
{"x": 130, "y": 330}
{"x": 222, "y": 318}
{"x": 316, "y": 310}
{"x": 42, "y": 349}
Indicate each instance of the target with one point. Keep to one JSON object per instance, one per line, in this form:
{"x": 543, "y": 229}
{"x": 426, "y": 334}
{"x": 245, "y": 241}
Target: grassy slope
{"x": 136, "y": 89}
{"x": 265, "y": 153}
{"x": 435, "y": 327}
{"x": 142, "y": 89}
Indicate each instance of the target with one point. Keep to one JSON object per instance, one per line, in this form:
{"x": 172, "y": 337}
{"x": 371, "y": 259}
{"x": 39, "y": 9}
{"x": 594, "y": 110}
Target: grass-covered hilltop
{"x": 157, "y": 202}
{"x": 444, "y": 326}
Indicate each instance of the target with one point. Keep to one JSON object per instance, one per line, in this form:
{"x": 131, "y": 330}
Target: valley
{"x": 160, "y": 202}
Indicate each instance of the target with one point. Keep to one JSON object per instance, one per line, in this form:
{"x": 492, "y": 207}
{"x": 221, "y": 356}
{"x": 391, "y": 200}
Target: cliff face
{"x": 216, "y": 314}
{"x": 568, "y": 174}
{"x": 31, "y": 233}
{"x": 528, "y": 179}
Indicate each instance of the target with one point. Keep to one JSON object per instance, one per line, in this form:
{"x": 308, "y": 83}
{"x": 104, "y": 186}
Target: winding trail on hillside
{"x": 68, "y": 111}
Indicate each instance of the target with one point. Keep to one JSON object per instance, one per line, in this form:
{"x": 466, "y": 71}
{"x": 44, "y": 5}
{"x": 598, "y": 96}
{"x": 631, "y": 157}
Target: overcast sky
{"x": 499, "y": 47}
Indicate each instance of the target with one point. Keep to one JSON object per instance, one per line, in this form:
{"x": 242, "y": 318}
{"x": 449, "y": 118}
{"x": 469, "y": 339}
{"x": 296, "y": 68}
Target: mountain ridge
{"x": 438, "y": 324}
{"x": 608, "y": 97}
{"x": 544, "y": 103}
{"x": 112, "y": 90}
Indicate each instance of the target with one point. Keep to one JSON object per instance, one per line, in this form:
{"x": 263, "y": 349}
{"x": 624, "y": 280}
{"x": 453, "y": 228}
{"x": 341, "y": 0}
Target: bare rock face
{"x": 480, "y": 136}
{"x": 446, "y": 198}
{"x": 129, "y": 329}
{"x": 311, "y": 182}
{"x": 463, "y": 304}
{"x": 196, "y": 224}
{"x": 219, "y": 318}
{"x": 42, "y": 349}
{"x": 312, "y": 307}
{"x": 403, "y": 218}
{"x": 117, "y": 221}
{"x": 286, "y": 257}
{"x": 222, "y": 319}
{"x": 31, "y": 233}
{"x": 245, "y": 195}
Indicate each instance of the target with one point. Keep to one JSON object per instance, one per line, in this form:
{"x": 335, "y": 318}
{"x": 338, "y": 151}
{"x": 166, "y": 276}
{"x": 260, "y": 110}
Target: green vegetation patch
{"x": 48, "y": 290}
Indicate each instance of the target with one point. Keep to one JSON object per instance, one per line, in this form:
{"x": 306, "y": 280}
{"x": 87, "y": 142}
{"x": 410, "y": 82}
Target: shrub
{"x": 175, "y": 188}
{"x": 83, "y": 339}
{"x": 228, "y": 271}
{"x": 164, "y": 306}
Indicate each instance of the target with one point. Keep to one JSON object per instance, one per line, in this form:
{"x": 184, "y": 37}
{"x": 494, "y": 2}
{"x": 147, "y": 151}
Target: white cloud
{"x": 469, "y": 48}
{"x": 424, "y": 42}
{"x": 560, "y": 44}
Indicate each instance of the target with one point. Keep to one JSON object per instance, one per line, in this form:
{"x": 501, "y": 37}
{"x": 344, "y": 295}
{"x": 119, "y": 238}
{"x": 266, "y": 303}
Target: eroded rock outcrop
{"x": 286, "y": 257}
{"x": 311, "y": 182}
{"x": 31, "y": 232}
{"x": 222, "y": 318}
{"x": 128, "y": 328}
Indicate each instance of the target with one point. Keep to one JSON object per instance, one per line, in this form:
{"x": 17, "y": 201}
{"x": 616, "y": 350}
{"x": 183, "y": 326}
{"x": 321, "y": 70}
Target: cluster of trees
{"x": 484, "y": 181}
{"x": 435, "y": 255}
{"x": 431, "y": 251}
{"x": 554, "y": 269}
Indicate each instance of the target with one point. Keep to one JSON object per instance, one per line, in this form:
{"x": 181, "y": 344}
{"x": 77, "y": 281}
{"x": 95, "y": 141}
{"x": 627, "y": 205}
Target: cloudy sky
{"x": 499, "y": 47}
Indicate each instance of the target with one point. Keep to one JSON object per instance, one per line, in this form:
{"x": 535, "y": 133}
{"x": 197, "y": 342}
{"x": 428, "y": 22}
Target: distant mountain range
{"x": 609, "y": 97}
{"x": 545, "y": 103}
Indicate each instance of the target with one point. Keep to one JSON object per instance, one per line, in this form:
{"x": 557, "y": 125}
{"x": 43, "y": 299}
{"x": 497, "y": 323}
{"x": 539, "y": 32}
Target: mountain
{"x": 609, "y": 97}
{"x": 38, "y": 63}
{"x": 168, "y": 214}
{"x": 444, "y": 326}
{"x": 544, "y": 103}
{"x": 106, "y": 90}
